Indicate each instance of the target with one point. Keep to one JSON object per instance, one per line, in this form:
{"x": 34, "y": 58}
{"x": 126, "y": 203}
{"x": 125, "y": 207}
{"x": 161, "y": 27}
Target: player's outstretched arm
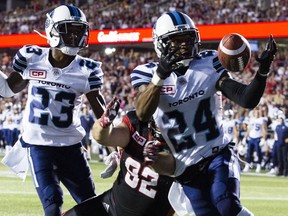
{"x": 267, "y": 57}
{"x": 248, "y": 96}
{"x": 104, "y": 132}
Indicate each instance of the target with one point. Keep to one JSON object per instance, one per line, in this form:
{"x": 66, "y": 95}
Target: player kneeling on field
{"x": 138, "y": 189}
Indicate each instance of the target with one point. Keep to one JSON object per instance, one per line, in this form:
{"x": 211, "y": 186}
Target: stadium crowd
{"x": 140, "y": 14}
{"x": 117, "y": 66}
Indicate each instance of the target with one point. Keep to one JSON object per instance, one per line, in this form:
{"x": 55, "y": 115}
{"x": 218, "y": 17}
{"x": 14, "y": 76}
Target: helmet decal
{"x": 74, "y": 11}
{"x": 177, "y": 18}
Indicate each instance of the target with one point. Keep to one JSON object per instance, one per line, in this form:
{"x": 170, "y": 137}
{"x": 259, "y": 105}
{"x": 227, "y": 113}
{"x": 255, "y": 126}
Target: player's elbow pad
{"x": 5, "y": 90}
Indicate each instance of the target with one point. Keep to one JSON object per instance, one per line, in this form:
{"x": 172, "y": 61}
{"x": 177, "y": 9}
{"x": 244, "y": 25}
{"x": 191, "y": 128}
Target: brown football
{"x": 234, "y": 52}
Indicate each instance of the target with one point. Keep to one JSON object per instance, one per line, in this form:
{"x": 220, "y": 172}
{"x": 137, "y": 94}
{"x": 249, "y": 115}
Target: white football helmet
{"x": 229, "y": 113}
{"x": 67, "y": 29}
{"x": 173, "y": 24}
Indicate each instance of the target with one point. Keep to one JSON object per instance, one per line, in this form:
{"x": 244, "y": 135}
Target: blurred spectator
{"x": 6, "y": 61}
{"x": 257, "y": 131}
{"x": 141, "y": 14}
{"x": 282, "y": 146}
{"x": 87, "y": 122}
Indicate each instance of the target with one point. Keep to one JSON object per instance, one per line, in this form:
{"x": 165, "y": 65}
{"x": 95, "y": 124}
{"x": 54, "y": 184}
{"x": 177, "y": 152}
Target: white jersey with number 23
{"x": 54, "y": 96}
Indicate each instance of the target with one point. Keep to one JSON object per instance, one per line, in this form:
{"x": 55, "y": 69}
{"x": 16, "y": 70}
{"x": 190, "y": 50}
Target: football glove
{"x": 112, "y": 161}
{"x": 168, "y": 61}
{"x": 110, "y": 113}
{"x": 151, "y": 151}
{"x": 267, "y": 56}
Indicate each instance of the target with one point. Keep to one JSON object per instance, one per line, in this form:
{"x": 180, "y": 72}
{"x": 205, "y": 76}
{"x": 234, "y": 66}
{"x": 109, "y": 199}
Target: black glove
{"x": 111, "y": 112}
{"x": 267, "y": 56}
{"x": 167, "y": 61}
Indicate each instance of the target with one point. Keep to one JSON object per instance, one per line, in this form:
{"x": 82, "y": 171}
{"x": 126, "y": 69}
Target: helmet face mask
{"x": 67, "y": 29}
{"x": 73, "y": 34}
{"x": 172, "y": 25}
{"x": 181, "y": 44}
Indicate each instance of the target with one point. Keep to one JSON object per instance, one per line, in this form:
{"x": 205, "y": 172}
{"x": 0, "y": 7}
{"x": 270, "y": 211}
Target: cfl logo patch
{"x": 139, "y": 139}
{"x": 40, "y": 74}
{"x": 168, "y": 90}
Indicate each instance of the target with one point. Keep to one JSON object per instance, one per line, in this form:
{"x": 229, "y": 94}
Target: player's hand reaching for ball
{"x": 267, "y": 57}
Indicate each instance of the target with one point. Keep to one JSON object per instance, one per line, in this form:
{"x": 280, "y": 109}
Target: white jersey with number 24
{"x": 189, "y": 113}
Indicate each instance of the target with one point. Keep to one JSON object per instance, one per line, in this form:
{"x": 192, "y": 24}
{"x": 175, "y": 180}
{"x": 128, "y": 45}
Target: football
{"x": 234, "y": 52}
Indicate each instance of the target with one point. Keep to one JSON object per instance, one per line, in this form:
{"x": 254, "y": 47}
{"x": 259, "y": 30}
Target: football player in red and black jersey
{"x": 138, "y": 190}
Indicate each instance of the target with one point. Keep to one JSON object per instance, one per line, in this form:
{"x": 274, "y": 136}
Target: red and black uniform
{"x": 138, "y": 190}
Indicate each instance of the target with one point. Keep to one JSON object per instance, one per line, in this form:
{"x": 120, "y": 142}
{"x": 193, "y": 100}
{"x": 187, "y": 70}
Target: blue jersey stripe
{"x": 21, "y": 59}
{"x": 17, "y": 68}
{"x": 19, "y": 63}
{"x": 141, "y": 73}
{"x": 217, "y": 65}
{"x": 139, "y": 78}
{"x": 95, "y": 81}
{"x": 139, "y": 82}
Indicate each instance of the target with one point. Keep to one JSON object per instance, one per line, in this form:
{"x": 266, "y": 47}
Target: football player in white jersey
{"x": 58, "y": 78}
{"x": 183, "y": 93}
{"x": 230, "y": 126}
{"x": 256, "y": 130}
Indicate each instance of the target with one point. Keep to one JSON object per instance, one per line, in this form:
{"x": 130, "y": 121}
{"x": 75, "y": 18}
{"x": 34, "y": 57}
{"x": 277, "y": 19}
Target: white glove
{"x": 112, "y": 162}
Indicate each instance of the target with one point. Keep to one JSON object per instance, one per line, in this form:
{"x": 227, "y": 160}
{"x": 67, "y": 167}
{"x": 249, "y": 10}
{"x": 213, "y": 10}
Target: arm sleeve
{"x": 247, "y": 96}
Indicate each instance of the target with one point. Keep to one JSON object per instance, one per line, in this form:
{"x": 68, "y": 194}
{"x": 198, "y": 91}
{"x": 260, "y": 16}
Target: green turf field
{"x": 263, "y": 195}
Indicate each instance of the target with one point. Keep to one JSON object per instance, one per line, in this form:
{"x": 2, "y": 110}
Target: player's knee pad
{"x": 245, "y": 212}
